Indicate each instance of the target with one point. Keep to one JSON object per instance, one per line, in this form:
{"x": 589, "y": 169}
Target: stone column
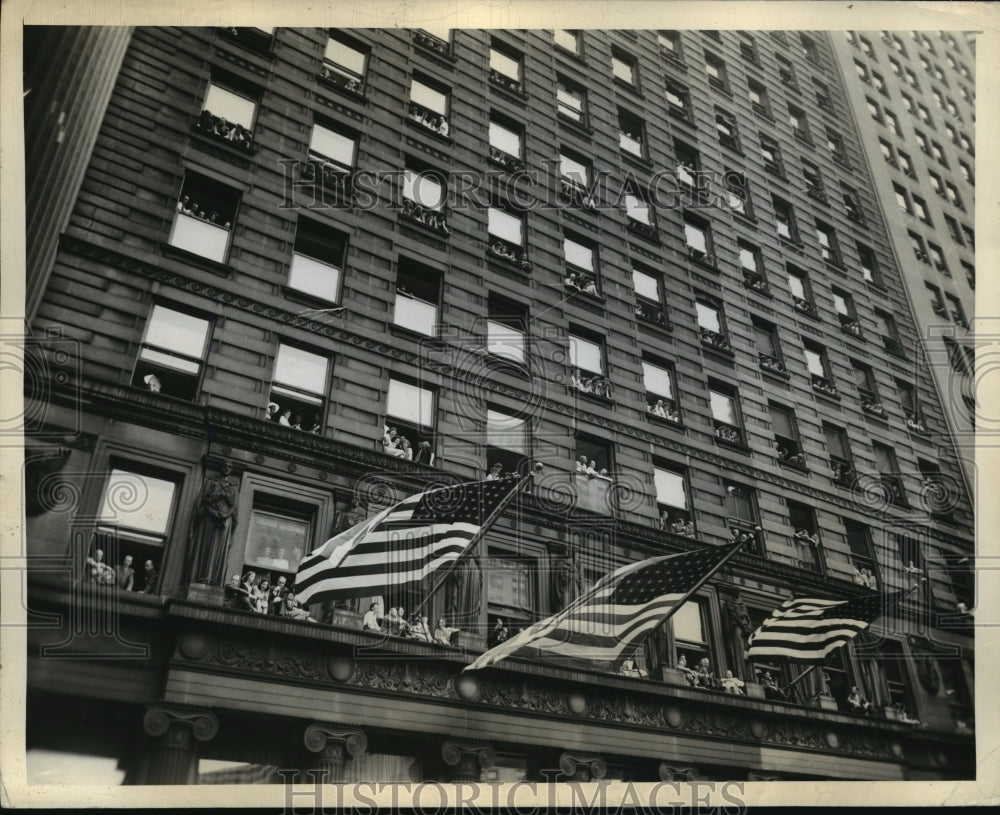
{"x": 467, "y": 759}
{"x": 175, "y": 730}
{"x": 331, "y": 747}
{"x": 579, "y": 767}
{"x": 671, "y": 772}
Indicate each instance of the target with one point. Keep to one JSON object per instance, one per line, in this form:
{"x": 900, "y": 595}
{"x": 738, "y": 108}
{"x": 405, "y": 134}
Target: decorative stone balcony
{"x": 647, "y": 231}
{"x": 701, "y": 257}
{"x": 850, "y": 326}
{"x": 594, "y": 493}
{"x": 791, "y": 458}
{"x": 872, "y": 406}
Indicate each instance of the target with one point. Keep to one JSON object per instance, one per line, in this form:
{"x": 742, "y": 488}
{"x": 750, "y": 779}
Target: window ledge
{"x": 522, "y": 266}
{"x": 220, "y": 269}
{"x": 223, "y": 143}
{"x": 438, "y": 50}
{"x": 498, "y": 82}
{"x": 410, "y": 334}
{"x": 345, "y": 87}
{"x": 639, "y": 161}
{"x": 427, "y": 131}
{"x": 580, "y": 127}
{"x": 678, "y": 425}
{"x": 633, "y": 89}
{"x": 317, "y": 303}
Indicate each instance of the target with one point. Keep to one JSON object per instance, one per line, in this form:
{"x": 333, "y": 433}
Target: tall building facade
{"x": 654, "y": 261}
{"x": 915, "y": 92}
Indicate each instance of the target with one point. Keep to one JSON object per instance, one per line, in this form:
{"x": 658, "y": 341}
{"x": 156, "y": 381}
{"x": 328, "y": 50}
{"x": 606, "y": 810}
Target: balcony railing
{"x": 713, "y": 339}
{"x": 431, "y": 43}
{"x": 433, "y": 219}
{"x": 428, "y": 119}
{"x": 511, "y": 164}
{"x": 676, "y": 525}
{"x": 823, "y": 385}
{"x": 594, "y": 493}
{"x": 508, "y": 83}
{"x": 756, "y": 282}
{"x": 702, "y": 257}
{"x": 647, "y": 231}
{"x": 730, "y": 434}
{"x": 772, "y": 364}
{"x": 508, "y": 251}
{"x": 350, "y": 85}
{"x": 219, "y": 129}
{"x": 663, "y": 409}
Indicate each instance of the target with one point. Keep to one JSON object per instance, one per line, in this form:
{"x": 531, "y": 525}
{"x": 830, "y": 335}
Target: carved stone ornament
{"x": 453, "y": 751}
{"x": 318, "y": 736}
{"x": 159, "y": 719}
{"x": 669, "y": 772}
{"x": 569, "y": 763}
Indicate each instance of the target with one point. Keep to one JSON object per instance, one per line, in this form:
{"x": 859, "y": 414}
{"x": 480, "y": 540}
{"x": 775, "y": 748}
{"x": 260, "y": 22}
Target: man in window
{"x": 124, "y": 574}
{"x": 99, "y": 572}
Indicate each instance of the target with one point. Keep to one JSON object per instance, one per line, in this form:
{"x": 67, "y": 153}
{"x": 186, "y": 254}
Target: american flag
{"x": 403, "y": 544}
{"x": 806, "y": 629}
{"x": 619, "y": 611}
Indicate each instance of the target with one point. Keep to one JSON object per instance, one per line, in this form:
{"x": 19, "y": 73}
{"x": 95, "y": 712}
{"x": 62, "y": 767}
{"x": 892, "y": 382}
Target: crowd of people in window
{"x": 597, "y": 384}
{"x": 435, "y": 219}
{"x": 345, "y": 82}
{"x": 864, "y": 577}
{"x": 677, "y": 526}
{"x": 254, "y": 593}
{"x": 186, "y": 206}
{"x": 121, "y": 577}
{"x": 397, "y": 445}
{"x": 286, "y": 418}
{"x": 512, "y": 253}
{"x": 589, "y": 468}
{"x": 581, "y": 282}
{"x": 396, "y": 624}
{"x": 786, "y": 456}
{"x": 219, "y": 127}
{"x": 429, "y": 119}
{"x": 664, "y": 411}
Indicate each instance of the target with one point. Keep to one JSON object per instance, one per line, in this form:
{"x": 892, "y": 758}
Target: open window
{"x": 229, "y": 111}
{"x": 506, "y": 330}
{"x": 424, "y": 196}
{"x": 409, "y": 421}
{"x": 649, "y": 300}
{"x": 805, "y": 537}
{"x": 586, "y": 354}
{"x": 740, "y": 505}
{"x": 672, "y": 499}
{"x": 299, "y": 387}
{"x": 581, "y": 265}
{"x": 345, "y": 63}
{"x": 659, "y": 380}
{"x": 206, "y": 212}
{"x": 280, "y": 533}
{"x": 418, "y": 296}
{"x": 786, "y": 436}
{"x": 725, "y": 414}
{"x": 506, "y": 236}
{"x": 317, "y": 261}
{"x": 172, "y": 353}
{"x": 506, "y": 67}
{"x": 429, "y": 106}
{"x": 592, "y": 476}
{"x": 507, "y": 441}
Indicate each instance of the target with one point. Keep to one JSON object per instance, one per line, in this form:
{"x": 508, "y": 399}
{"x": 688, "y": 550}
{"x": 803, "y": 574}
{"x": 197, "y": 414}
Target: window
{"x": 888, "y": 153}
{"x": 316, "y": 261}
{"x": 786, "y": 436}
{"x": 896, "y": 68}
{"x": 818, "y": 367}
{"x": 506, "y": 235}
{"x": 639, "y": 216}
{"x": 670, "y": 42}
{"x": 823, "y": 98}
{"x": 809, "y": 49}
{"x": 902, "y": 199}
{"x": 678, "y": 100}
{"x": 581, "y": 261}
{"x": 879, "y": 82}
{"x": 937, "y": 302}
{"x": 800, "y": 124}
{"x": 888, "y": 470}
{"x": 771, "y": 153}
{"x": 852, "y": 206}
{"x": 829, "y": 247}
{"x": 805, "y": 537}
{"x": 748, "y": 48}
{"x": 953, "y": 195}
{"x": 574, "y": 179}
{"x": 874, "y": 110}
{"x": 786, "y": 73}
{"x": 920, "y": 208}
{"x": 919, "y": 249}
{"x": 725, "y": 414}
{"x": 570, "y": 40}
{"x": 623, "y": 67}
{"x": 752, "y": 265}
{"x": 688, "y": 165}
{"x": 862, "y": 72}
{"x": 429, "y": 106}
{"x": 335, "y": 150}
{"x": 890, "y": 335}
{"x": 410, "y": 411}
{"x": 932, "y": 483}
{"x": 925, "y": 145}
{"x": 835, "y": 144}
{"x": 969, "y": 235}
{"x": 228, "y": 112}
{"x": 670, "y": 483}
{"x": 506, "y": 335}
{"x": 925, "y": 115}
{"x": 205, "y": 215}
{"x": 869, "y": 265}
{"x": 759, "y": 99}
{"x": 139, "y": 528}
{"x": 936, "y": 183}
{"x": 952, "y": 133}
{"x": 716, "y": 70}
{"x": 737, "y": 193}
{"x": 906, "y": 164}
{"x": 966, "y": 144}
{"x": 938, "y": 153}
{"x": 911, "y": 78}
{"x": 970, "y": 274}
{"x": 586, "y": 356}
{"x": 512, "y": 594}
{"x": 710, "y": 324}
{"x": 506, "y": 142}
{"x": 843, "y": 305}
{"x": 740, "y": 505}
{"x": 956, "y": 311}
{"x": 689, "y": 634}
{"x": 418, "y": 293}
{"x": 424, "y": 196}
{"x": 967, "y": 172}
{"x": 784, "y": 217}
{"x": 864, "y": 379}
{"x": 908, "y": 103}
{"x": 863, "y": 560}
{"x": 953, "y": 230}
{"x": 798, "y": 284}
{"x": 506, "y": 67}
{"x": 571, "y": 100}
{"x": 344, "y": 64}
{"x": 698, "y": 236}
{"x": 893, "y": 122}
{"x": 866, "y": 46}
{"x": 649, "y": 305}
{"x": 768, "y": 348}
{"x": 172, "y": 353}
{"x": 840, "y": 455}
{"x": 661, "y": 397}
{"x": 631, "y": 134}
{"x": 506, "y": 440}
{"x": 299, "y": 387}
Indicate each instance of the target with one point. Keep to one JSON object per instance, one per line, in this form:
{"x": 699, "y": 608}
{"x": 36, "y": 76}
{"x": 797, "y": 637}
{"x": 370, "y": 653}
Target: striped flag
{"x": 806, "y": 629}
{"x": 403, "y": 544}
{"x": 619, "y": 611}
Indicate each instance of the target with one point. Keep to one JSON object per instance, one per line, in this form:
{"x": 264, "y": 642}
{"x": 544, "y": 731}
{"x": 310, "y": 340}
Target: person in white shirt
{"x": 373, "y": 618}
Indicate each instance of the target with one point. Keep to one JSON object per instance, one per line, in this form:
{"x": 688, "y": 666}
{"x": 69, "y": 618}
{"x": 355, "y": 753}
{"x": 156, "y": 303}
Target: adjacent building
{"x": 659, "y": 262}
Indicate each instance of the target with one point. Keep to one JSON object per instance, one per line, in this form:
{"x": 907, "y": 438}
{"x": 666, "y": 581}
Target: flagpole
{"x": 688, "y": 594}
{"x": 802, "y": 675}
{"x": 474, "y": 543}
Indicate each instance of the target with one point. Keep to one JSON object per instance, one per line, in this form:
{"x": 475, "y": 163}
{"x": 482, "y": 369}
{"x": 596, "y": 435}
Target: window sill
{"x": 438, "y": 50}
{"x": 413, "y": 219}
{"x": 802, "y": 468}
{"x": 833, "y": 396}
{"x": 749, "y": 220}
{"x": 427, "y": 131}
{"x": 633, "y": 89}
{"x": 410, "y": 334}
{"x": 502, "y": 364}
{"x": 597, "y": 298}
{"x": 645, "y": 231}
{"x": 676, "y": 425}
{"x": 214, "y": 266}
{"x": 522, "y": 266}
{"x": 580, "y": 127}
{"x": 505, "y": 161}
{"x": 317, "y": 304}
{"x": 343, "y": 86}
{"x": 639, "y": 161}
{"x": 516, "y": 96}
{"x": 257, "y": 42}
{"x": 225, "y": 144}
{"x": 597, "y": 399}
